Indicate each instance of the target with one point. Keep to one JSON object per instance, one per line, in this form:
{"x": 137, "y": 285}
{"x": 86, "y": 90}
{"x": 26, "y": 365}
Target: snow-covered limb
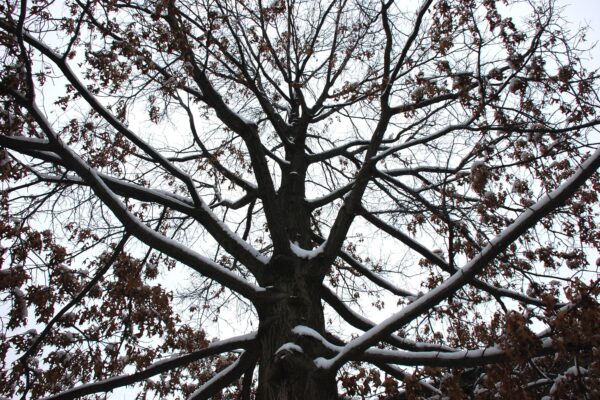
{"x": 306, "y": 254}
{"x": 235, "y": 204}
{"x": 33, "y": 147}
{"x": 440, "y": 262}
{"x": 360, "y": 322}
{"x": 132, "y": 224}
{"x": 238, "y": 247}
{"x": 306, "y": 331}
{"x": 209, "y": 219}
{"x": 224, "y": 377}
{"x": 460, "y": 359}
{"x": 525, "y": 221}
{"x": 418, "y": 169}
{"x": 388, "y": 368}
{"x": 158, "y": 367}
{"x": 289, "y": 347}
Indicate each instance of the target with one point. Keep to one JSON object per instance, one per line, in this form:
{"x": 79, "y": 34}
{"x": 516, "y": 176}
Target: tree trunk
{"x": 289, "y": 374}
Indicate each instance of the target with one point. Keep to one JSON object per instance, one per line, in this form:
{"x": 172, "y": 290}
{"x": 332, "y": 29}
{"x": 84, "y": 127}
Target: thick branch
{"x": 526, "y": 221}
{"x": 224, "y": 377}
{"x": 158, "y": 367}
{"x": 133, "y": 225}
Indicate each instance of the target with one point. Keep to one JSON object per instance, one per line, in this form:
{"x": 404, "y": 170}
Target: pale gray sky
{"x": 586, "y": 12}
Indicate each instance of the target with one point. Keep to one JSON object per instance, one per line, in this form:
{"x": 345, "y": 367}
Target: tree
{"x": 307, "y": 164}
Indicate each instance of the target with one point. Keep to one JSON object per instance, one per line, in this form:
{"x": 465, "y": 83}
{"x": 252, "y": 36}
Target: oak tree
{"x": 387, "y": 199}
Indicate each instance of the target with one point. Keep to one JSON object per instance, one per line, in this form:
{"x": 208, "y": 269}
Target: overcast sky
{"x": 586, "y": 12}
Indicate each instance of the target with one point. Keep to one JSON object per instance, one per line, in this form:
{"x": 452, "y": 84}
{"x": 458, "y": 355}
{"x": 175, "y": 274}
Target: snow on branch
{"x": 170, "y": 247}
{"x": 210, "y": 221}
{"x": 525, "y": 221}
{"x": 158, "y": 367}
{"x": 224, "y": 377}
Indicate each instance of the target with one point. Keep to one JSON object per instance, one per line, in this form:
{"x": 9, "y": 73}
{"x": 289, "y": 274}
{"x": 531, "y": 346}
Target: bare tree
{"x": 308, "y": 163}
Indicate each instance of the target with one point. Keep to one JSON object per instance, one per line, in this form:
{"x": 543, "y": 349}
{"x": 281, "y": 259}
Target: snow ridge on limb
{"x": 525, "y": 221}
{"x": 168, "y": 246}
{"x": 156, "y": 368}
{"x": 362, "y": 323}
{"x": 203, "y": 213}
{"x": 419, "y": 248}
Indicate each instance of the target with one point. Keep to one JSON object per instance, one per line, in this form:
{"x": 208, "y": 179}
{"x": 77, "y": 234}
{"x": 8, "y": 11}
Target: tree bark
{"x": 290, "y": 374}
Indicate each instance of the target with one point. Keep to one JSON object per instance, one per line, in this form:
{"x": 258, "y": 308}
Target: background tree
{"x": 307, "y": 164}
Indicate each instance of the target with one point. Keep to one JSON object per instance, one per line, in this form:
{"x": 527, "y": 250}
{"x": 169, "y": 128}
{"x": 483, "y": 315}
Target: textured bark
{"x": 289, "y": 374}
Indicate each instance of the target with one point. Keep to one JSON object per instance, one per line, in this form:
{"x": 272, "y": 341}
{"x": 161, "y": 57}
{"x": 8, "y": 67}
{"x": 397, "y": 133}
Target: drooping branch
{"x": 178, "y": 361}
{"x": 84, "y": 292}
{"x": 526, "y": 220}
{"x": 133, "y": 225}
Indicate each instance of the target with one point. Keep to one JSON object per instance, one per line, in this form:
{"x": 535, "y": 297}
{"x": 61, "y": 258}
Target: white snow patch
{"x": 306, "y": 254}
{"x": 321, "y": 362}
{"x": 575, "y": 371}
{"x": 289, "y": 347}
